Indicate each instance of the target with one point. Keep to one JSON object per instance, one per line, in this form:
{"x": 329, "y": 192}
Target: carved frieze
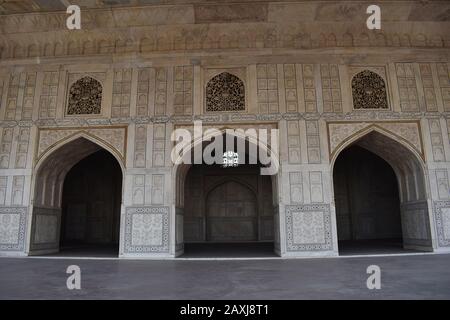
{"x": 115, "y": 137}
{"x": 340, "y": 132}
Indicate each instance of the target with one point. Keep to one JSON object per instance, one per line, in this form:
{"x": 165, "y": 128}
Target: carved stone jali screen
{"x": 225, "y": 92}
{"x": 369, "y": 91}
{"x": 85, "y": 97}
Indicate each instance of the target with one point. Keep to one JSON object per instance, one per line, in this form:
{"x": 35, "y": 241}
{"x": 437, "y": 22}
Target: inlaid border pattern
{"x": 20, "y": 244}
{"x": 438, "y": 206}
{"x": 291, "y": 245}
{"x": 129, "y": 247}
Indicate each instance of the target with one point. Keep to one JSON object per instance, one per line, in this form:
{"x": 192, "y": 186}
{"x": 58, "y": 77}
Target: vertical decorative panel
{"x": 2, "y": 89}
{"x": 428, "y": 87}
{"x": 267, "y": 85}
{"x": 157, "y": 189}
{"x": 315, "y": 183}
{"x": 442, "y": 183}
{"x": 28, "y": 96}
{"x": 331, "y": 88}
{"x": 3, "y": 187}
{"x": 290, "y": 86}
{"x": 160, "y": 91}
{"x": 309, "y": 87}
{"x": 436, "y": 140}
{"x": 5, "y": 147}
{"x": 293, "y": 132}
{"x": 448, "y": 129}
{"x": 296, "y": 187}
{"x": 12, "y": 228}
{"x": 17, "y": 190}
{"x": 444, "y": 84}
{"x": 159, "y": 141}
{"x": 183, "y": 85}
{"x": 138, "y": 189}
{"x": 407, "y": 87}
{"x": 122, "y": 93}
{"x": 140, "y": 145}
{"x": 313, "y": 141}
{"x": 49, "y": 94}
{"x": 12, "y": 100}
{"x": 22, "y": 148}
{"x": 143, "y": 92}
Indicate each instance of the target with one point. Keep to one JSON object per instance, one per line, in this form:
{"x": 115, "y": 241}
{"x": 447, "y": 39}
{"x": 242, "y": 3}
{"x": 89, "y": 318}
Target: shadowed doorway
{"x": 91, "y": 203}
{"x": 228, "y": 212}
{"x": 367, "y": 203}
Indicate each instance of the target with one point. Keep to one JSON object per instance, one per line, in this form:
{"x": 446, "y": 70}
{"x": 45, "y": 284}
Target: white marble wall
{"x": 154, "y": 83}
{"x": 306, "y": 103}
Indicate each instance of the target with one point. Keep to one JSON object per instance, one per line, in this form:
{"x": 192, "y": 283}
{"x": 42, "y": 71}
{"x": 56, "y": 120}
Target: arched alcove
{"x": 81, "y": 156}
{"x": 380, "y": 181}
{"x": 247, "y": 221}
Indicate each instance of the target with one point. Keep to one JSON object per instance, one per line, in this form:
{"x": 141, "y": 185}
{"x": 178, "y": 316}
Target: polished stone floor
{"x": 402, "y": 277}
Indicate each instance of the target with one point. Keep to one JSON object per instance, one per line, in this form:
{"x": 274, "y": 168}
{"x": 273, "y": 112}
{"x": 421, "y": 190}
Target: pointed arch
{"x": 375, "y": 128}
{"x": 80, "y": 135}
{"x": 47, "y": 183}
{"x": 411, "y": 174}
{"x": 182, "y": 167}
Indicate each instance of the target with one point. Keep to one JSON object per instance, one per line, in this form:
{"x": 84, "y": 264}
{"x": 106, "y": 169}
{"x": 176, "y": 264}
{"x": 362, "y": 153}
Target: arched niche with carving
{"x": 369, "y": 91}
{"x": 85, "y": 97}
{"x": 225, "y": 92}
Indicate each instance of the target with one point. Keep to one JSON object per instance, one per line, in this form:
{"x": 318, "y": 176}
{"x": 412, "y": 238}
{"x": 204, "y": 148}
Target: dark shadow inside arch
{"x": 77, "y": 202}
{"x": 367, "y": 203}
{"x": 91, "y": 201}
{"x": 380, "y": 198}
